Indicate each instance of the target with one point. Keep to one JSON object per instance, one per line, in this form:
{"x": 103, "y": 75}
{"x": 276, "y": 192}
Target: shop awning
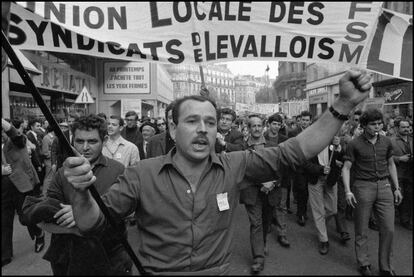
{"x": 25, "y": 62}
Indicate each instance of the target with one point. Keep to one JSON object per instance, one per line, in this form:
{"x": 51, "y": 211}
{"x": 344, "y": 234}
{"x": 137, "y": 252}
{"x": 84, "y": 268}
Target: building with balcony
{"x": 290, "y": 82}
{"x": 186, "y": 79}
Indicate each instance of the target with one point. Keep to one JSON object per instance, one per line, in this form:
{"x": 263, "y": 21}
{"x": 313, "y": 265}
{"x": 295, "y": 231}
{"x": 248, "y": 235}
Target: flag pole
{"x": 204, "y": 91}
{"x": 64, "y": 142}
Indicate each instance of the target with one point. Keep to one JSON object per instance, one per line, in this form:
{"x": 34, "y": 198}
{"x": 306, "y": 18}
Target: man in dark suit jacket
{"x": 34, "y": 136}
{"x": 161, "y": 144}
{"x": 132, "y": 133}
{"x": 261, "y": 201}
{"x": 16, "y": 186}
{"x": 300, "y": 183}
{"x": 228, "y": 139}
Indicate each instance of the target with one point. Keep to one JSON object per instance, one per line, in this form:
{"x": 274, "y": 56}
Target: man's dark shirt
{"x": 159, "y": 145}
{"x": 134, "y": 135}
{"x": 184, "y": 231}
{"x": 369, "y": 161}
{"x": 85, "y": 255}
{"x": 402, "y": 147}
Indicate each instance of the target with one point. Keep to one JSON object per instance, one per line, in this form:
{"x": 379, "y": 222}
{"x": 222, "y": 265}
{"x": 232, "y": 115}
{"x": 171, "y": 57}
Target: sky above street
{"x": 255, "y": 68}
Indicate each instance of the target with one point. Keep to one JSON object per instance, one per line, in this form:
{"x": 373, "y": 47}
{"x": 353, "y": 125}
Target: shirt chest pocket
{"x": 218, "y": 220}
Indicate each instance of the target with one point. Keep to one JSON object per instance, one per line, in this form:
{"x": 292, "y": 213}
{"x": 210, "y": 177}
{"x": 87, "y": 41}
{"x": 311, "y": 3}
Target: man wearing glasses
{"x": 228, "y": 139}
{"x": 162, "y": 126}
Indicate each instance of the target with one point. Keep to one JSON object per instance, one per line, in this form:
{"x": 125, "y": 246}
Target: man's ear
{"x": 105, "y": 139}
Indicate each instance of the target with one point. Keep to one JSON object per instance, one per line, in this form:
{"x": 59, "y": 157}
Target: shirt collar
{"x": 118, "y": 141}
{"x": 168, "y": 160}
{"x": 261, "y": 141}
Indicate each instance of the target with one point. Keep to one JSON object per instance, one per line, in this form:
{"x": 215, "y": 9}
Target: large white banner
{"x": 359, "y": 34}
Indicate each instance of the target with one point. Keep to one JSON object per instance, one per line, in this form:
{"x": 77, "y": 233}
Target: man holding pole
{"x": 184, "y": 202}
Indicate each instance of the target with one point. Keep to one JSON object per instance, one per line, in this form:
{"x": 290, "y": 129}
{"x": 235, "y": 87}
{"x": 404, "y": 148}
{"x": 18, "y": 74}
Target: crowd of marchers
{"x": 200, "y": 162}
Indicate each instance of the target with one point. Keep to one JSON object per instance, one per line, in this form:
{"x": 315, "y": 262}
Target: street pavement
{"x": 302, "y": 258}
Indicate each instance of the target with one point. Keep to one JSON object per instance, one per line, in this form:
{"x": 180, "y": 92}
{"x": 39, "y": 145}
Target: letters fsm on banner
{"x": 360, "y": 34}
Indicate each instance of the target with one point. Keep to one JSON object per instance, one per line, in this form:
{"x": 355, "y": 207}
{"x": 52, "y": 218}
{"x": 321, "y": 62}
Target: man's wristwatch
{"x": 398, "y": 188}
{"x": 338, "y": 115}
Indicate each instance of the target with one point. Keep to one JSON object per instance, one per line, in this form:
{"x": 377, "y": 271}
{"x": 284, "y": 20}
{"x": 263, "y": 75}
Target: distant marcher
{"x": 116, "y": 147}
{"x": 19, "y": 178}
{"x": 161, "y": 124}
{"x": 403, "y": 158}
{"x": 50, "y": 168}
{"x": 162, "y": 143}
{"x": 132, "y": 133}
{"x": 148, "y": 130}
{"x": 228, "y": 139}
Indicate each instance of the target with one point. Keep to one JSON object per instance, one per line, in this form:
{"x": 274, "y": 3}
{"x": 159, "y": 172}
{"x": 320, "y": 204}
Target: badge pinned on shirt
{"x": 117, "y": 155}
{"x": 222, "y": 201}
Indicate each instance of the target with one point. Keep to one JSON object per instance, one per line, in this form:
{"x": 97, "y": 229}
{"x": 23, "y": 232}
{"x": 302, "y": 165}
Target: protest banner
{"x": 358, "y": 34}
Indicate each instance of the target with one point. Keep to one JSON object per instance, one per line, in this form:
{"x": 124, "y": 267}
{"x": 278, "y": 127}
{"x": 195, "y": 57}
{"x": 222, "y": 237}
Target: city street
{"x": 302, "y": 258}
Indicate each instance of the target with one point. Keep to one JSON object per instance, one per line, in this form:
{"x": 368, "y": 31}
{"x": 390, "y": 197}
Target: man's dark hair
{"x": 228, "y": 111}
{"x": 17, "y": 122}
{"x": 275, "y": 117}
{"x": 120, "y": 119}
{"x": 369, "y": 116}
{"x": 132, "y": 113}
{"x": 305, "y": 113}
{"x": 91, "y": 122}
{"x": 32, "y": 121}
{"x": 103, "y": 115}
{"x": 180, "y": 101}
{"x": 167, "y": 110}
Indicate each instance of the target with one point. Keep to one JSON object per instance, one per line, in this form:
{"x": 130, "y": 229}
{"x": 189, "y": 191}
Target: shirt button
{"x": 188, "y": 191}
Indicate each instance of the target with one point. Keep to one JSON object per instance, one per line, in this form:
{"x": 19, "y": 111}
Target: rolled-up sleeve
{"x": 349, "y": 153}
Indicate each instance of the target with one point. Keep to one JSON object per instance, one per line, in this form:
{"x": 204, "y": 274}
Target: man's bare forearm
{"x": 346, "y": 177}
{"x": 85, "y": 210}
{"x": 393, "y": 173}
